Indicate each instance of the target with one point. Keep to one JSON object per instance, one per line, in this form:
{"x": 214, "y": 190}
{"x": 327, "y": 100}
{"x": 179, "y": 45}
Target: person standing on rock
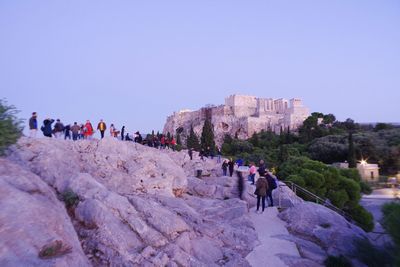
{"x": 262, "y": 168}
{"x": 46, "y": 128}
{"x": 58, "y": 129}
{"x": 219, "y": 155}
{"x": 102, "y": 127}
{"x": 261, "y": 192}
{"x": 252, "y": 172}
{"x": 88, "y": 130}
{"x": 231, "y": 165}
{"x": 240, "y": 183}
{"x": 75, "y": 131}
{"x": 173, "y": 143}
{"x": 271, "y": 186}
{"x": 190, "y": 153}
{"x": 122, "y": 133}
{"x": 33, "y": 126}
{"x": 112, "y": 130}
{"x": 225, "y": 168}
{"x": 67, "y": 132}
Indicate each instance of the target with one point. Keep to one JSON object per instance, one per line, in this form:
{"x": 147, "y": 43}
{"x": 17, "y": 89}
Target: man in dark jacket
{"x": 58, "y": 129}
{"x": 46, "y": 128}
{"x": 271, "y": 186}
{"x": 33, "y": 125}
{"x": 262, "y": 168}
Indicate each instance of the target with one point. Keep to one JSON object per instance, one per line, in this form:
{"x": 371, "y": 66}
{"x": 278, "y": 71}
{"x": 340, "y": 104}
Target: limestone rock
{"x": 323, "y": 227}
{"x": 32, "y": 221}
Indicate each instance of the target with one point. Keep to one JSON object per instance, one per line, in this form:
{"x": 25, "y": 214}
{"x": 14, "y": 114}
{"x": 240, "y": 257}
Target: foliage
{"x": 340, "y": 187}
{"x": 371, "y": 255}
{"x": 193, "y": 141}
{"x": 207, "y": 136}
{"x": 391, "y": 219}
{"x": 10, "y": 126}
{"x": 70, "y": 198}
{"x": 341, "y": 261}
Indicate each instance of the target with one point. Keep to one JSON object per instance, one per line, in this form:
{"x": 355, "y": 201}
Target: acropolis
{"x": 241, "y": 116}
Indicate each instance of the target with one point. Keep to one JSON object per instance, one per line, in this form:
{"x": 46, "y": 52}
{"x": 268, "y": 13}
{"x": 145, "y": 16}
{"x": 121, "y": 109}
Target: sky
{"x": 133, "y": 63}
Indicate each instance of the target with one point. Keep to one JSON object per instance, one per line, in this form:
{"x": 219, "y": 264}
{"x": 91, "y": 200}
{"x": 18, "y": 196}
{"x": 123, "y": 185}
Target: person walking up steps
{"x": 33, "y": 126}
{"x": 102, "y": 127}
{"x": 261, "y": 192}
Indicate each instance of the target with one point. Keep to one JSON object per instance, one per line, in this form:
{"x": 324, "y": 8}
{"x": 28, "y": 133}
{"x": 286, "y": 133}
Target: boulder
{"x": 35, "y": 227}
{"x": 333, "y": 234}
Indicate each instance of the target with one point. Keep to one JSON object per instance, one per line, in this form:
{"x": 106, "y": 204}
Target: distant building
{"x": 341, "y": 165}
{"x": 368, "y": 172}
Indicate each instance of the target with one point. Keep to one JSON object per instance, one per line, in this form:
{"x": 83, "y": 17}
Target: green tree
{"x": 207, "y": 136}
{"x": 10, "y": 126}
{"x": 193, "y": 141}
{"x": 351, "y": 155}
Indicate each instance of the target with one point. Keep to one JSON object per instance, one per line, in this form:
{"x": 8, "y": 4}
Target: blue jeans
{"x": 251, "y": 178}
{"x": 225, "y": 171}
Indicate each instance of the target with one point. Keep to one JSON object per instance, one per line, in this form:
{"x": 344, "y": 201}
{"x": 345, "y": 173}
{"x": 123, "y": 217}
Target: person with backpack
{"x": 261, "y": 192}
{"x": 58, "y": 129}
{"x": 46, "y": 128}
{"x": 262, "y": 168}
{"x": 67, "y": 132}
{"x": 271, "y": 186}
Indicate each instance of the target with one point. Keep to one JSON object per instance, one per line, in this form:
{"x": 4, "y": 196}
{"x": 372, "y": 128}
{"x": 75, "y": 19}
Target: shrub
{"x": 10, "y": 126}
{"x": 340, "y": 261}
{"x": 391, "y": 219}
{"x": 362, "y": 217}
{"x": 70, "y": 198}
{"x": 371, "y": 255}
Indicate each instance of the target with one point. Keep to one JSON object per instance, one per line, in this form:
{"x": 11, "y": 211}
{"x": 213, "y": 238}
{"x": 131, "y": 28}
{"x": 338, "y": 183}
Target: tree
{"x": 207, "y": 136}
{"x": 178, "y": 139}
{"x": 351, "y": 155}
{"x": 10, "y": 126}
{"x": 193, "y": 141}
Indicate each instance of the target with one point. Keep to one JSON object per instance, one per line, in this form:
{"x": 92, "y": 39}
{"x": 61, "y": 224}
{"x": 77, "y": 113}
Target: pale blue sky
{"x": 135, "y": 62}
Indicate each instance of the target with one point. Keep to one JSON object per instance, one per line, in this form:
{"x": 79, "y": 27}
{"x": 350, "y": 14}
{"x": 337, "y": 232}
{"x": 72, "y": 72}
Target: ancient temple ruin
{"x": 241, "y": 116}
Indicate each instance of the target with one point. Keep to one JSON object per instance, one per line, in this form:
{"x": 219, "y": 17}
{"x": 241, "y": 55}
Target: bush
{"x": 371, "y": 255}
{"x": 364, "y": 219}
{"x": 365, "y": 188}
{"x": 10, "y": 126}
{"x": 70, "y": 198}
{"x": 391, "y": 221}
{"x": 340, "y": 261}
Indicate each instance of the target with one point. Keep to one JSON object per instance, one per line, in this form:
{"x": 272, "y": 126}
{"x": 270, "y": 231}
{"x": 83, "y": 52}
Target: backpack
{"x": 274, "y": 184}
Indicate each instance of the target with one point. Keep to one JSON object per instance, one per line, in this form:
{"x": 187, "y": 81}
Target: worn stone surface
{"x": 318, "y": 230}
{"x": 128, "y": 214}
{"x": 31, "y": 217}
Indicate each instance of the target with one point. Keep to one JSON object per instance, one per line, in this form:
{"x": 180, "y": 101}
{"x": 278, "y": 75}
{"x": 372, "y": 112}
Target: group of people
{"x": 265, "y": 184}
{"x": 77, "y": 131}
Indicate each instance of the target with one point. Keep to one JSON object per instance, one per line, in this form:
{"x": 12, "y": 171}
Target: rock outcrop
{"x": 320, "y": 232}
{"x": 131, "y": 210}
{"x": 32, "y": 220}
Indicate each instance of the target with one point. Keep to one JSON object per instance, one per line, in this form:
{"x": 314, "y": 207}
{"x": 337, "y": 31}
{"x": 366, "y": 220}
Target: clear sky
{"x": 135, "y": 62}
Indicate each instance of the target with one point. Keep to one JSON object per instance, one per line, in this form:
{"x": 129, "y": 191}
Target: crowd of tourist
{"x": 264, "y": 185}
{"x": 86, "y": 131}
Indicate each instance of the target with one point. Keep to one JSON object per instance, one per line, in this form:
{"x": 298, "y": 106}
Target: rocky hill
{"x": 113, "y": 203}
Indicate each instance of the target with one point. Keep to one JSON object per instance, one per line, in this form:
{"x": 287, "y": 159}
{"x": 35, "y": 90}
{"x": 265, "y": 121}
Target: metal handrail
{"x": 319, "y": 200}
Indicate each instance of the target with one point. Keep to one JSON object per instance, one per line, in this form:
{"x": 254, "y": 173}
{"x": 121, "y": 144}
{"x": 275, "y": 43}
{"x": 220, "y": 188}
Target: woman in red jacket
{"x": 88, "y": 130}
